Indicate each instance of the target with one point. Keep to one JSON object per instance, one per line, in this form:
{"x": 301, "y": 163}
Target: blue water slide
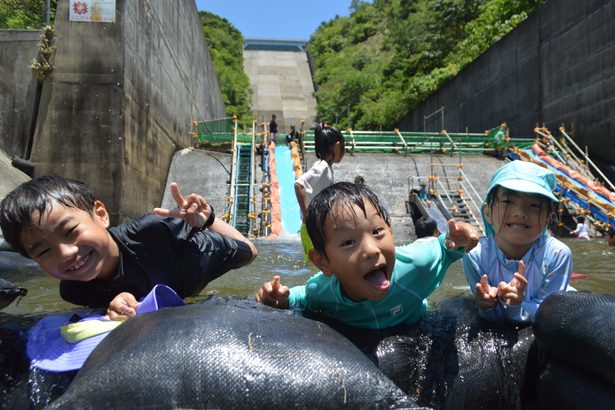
{"x": 595, "y": 211}
{"x": 290, "y": 211}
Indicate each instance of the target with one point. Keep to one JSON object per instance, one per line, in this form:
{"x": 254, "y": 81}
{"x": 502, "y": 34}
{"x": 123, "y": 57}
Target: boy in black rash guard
{"x": 59, "y": 224}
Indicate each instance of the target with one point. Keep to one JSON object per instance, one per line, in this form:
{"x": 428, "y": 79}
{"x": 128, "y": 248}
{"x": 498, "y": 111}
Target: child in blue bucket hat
{"x": 517, "y": 264}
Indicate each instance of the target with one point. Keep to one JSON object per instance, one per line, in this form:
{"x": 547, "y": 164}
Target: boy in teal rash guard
{"x": 366, "y": 281}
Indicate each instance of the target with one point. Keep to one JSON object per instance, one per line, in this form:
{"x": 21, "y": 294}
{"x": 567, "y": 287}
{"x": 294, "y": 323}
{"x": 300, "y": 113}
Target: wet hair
{"x": 545, "y": 203}
{"x": 425, "y": 226}
{"x": 39, "y": 195}
{"x": 341, "y": 194}
{"x": 325, "y": 137}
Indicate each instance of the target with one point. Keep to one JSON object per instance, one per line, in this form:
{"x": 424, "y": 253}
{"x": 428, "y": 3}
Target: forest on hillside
{"x": 26, "y": 14}
{"x": 390, "y": 55}
{"x": 225, "y": 45}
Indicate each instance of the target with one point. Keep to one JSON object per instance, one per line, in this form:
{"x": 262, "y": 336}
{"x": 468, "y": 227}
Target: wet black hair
{"x": 425, "y": 226}
{"x": 38, "y": 195}
{"x": 343, "y": 194}
{"x": 325, "y": 137}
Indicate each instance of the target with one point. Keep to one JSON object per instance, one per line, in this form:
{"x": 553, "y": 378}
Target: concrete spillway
{"x": 389, "y": 175}
{"x": 281, "y": 83}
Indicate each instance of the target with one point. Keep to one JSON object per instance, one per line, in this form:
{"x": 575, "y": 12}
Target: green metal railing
{"x": 220, "y": 132}
{"x": 214, "y": 132}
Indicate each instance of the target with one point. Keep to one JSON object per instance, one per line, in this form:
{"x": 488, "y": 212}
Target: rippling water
{"x": 284, "y": 257}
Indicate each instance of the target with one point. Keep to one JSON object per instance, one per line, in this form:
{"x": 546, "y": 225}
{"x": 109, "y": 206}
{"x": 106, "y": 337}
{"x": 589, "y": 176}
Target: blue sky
{"x": 277, "y": 19}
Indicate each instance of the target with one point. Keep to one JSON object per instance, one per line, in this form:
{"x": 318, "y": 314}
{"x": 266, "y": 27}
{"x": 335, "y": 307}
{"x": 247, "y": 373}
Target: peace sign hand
{"x": 193, "y": 209}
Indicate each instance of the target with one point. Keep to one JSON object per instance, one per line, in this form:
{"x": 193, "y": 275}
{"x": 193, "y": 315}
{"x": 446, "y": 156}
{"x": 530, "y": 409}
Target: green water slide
{"x": 243, "y": 189}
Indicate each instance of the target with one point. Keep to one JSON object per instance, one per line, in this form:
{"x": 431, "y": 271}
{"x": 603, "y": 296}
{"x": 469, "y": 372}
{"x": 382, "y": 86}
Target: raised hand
{"x": 513, "y": 293}
{"x": 486, "y": 296}
{"x": 273, "y": 294}
{"x": 193, "y": 208}
{"x": 461, "y": 234}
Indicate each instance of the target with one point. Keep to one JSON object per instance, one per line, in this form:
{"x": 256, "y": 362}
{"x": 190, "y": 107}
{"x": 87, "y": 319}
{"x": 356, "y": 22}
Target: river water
{"x": 284, "y": 257}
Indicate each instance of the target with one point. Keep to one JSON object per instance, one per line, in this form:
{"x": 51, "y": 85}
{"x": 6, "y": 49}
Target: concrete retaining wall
{"x": 556, "y": 67}
{"x": 121, "y": 100}
{"x": 18, "y": 88}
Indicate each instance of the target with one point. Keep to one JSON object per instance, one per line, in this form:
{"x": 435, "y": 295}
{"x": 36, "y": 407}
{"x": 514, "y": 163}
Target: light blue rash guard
{"x": 548, "y": 268}
{"x": 419, "y": 270}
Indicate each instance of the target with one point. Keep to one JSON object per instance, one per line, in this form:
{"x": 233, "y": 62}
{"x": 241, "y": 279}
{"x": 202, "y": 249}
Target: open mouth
{"x": 377, "y": 278}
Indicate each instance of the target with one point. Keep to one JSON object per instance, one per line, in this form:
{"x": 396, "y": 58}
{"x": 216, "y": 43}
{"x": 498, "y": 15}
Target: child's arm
{"x": 122, "y": 307}
{"x": 302, "y": 198}
{"x": 273, "y": 294}
{"x": 461, "y": 235}
{"x": 197, "y": 212}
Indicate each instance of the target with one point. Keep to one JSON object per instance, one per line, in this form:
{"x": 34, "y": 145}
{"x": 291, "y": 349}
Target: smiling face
{"x": 359, "y": 251}
{"x": 72, "y": 244}
{"x": 518, "y": 220}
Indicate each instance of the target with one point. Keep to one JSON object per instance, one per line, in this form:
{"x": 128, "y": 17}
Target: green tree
{"x": 225, "y": 44}
{"x": 25, "y": 14}
{"x": 389, "y": 55}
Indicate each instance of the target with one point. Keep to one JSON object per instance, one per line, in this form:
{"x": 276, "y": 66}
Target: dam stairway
{"x": 243, "y": 204}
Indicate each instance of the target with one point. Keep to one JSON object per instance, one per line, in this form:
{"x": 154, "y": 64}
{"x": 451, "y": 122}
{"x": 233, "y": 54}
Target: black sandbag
{"x": 579, "y": 328}
{"x": 228, "y": 354}
{"x": 454, "y": 360}
{"x": 564, "y": 386}
{"x": 9, "y": 292}
{"x": 23, "y": 386}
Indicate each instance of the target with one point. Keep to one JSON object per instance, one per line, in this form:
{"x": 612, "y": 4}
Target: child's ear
{"x": 100, "y": 213}
{"x": 321, "y": 261}
{"x": 487, "y": 213}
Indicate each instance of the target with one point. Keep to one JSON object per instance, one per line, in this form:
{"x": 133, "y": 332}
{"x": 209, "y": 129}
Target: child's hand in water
{"x": 193, "y": 209}
{"x": 461, "y": 235}
{"x": 122, "y": 307}
{"x": 513, "y": 293}
{"x": 486, "y": 296}
{"x": 273, "y": 294}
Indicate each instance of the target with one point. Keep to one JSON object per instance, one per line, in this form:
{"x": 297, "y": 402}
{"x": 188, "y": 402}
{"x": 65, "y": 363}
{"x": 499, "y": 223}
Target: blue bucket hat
{"x": 56, "y": 344}
{"x": 521, "y": 176}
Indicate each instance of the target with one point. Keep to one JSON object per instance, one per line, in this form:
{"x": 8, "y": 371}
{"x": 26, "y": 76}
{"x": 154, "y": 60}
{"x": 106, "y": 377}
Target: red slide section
{"x": 276, "y": 214}
{"x": 582, "y": 179}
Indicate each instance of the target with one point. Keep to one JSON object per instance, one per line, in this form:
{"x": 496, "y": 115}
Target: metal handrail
{"x": 403, "y": 141}
{"x": 559, "y": 157}
{"x": 476, "y": 195}
{"x": 354, "y": 144}
{"x": 443, "y": 132}
{"x": 233, "y": 187}
{"x": 252, "y": 205}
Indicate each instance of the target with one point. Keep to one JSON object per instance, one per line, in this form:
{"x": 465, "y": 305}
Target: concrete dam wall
{"x": 556, "y": 67}
{"x": 121, "y": 100}
{"x": 19, "y": 89}
{"x": 281, "y": 82}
